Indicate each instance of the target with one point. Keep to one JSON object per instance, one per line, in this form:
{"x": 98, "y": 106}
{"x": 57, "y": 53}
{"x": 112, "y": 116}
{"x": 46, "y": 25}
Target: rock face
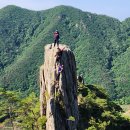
{"x": 58, "y": 89}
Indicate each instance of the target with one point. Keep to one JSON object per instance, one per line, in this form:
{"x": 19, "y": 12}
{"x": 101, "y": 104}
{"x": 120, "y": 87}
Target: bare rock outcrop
{"x": 58, "y": 89}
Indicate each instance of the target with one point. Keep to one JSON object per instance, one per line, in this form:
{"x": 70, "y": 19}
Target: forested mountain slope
{"x": 121, "y": 69}
{"x": 96, "y": 40}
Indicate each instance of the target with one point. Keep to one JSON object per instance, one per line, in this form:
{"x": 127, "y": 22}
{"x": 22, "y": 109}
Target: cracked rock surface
{"x": 58, "y": 90}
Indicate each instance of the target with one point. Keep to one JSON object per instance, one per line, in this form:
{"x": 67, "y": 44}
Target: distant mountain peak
{"x": 11, "y": 7}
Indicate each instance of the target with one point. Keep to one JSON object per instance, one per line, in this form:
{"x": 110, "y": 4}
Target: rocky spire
{"x": 58, "y": 89}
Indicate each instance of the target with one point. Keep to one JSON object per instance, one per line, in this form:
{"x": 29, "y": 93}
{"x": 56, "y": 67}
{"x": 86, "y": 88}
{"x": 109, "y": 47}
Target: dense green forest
{"x": 101, "y": 45}
{"x": 97, "y": 111}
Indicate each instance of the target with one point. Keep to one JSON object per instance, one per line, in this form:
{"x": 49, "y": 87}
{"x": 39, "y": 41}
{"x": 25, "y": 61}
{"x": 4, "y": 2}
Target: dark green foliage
{"x": 121, "y": 70}
{"x": 21, "y": 112}
{"x": 98, "y": 112}
{"x": 8, "y": 106}
{"x": 100, "y": 44}
{"x": 29, "y": 114}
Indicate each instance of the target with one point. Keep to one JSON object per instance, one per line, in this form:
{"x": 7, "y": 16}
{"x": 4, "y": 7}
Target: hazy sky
{"x": 119, "y": 9}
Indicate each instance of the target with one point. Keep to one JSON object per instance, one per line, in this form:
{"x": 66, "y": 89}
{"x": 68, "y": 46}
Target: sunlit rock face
{"x": 58, "y": 88}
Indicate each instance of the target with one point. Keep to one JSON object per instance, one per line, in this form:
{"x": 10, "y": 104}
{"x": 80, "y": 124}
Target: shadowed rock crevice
{"x": 58, "y": 89}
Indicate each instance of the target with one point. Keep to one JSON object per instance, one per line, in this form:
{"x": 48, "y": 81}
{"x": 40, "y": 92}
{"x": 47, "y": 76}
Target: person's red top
{"x": 56, "y": 34}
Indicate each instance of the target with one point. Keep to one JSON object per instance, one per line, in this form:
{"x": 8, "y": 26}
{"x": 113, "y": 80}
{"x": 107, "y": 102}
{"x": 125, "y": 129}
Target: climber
{"x": 56, "y": 38}
{"x": 60, "y": 69}
{"x": 59, "y": 55}
{"x": 80, "y": 78}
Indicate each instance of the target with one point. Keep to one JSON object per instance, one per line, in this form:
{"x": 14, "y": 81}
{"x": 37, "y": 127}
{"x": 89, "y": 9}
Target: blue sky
{"x": 119, "y": 9}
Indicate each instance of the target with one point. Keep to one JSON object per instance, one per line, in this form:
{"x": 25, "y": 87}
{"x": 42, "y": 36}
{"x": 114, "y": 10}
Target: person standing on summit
{"x": 56, "y": 38}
